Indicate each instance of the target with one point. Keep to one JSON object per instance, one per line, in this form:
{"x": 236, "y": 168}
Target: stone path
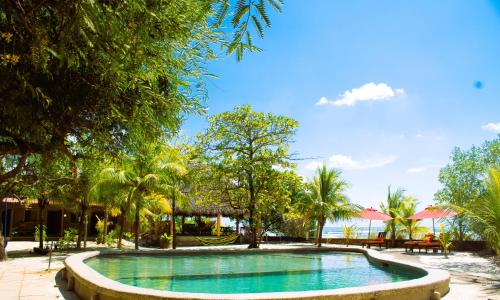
{"x": 25, "y": 276}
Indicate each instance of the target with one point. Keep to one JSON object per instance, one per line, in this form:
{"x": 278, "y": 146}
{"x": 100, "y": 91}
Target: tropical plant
{"x": 446, "y": 240}
{"x": 462, "y": 179}
{"x": 242, "y": 150}
{"x": 484, "y": 213}
{"x": 392, "y": 208}
{"x": 69, "y": 238}
{"x": 40, "y": 235}
{"x": 328, "y": 201}
{"x": 405, "y": 226}
{"x": 350, "y": 232}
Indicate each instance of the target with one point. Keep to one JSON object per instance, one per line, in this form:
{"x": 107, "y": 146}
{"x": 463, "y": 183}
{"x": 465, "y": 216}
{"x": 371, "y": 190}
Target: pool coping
{"x": 90, "y": 284}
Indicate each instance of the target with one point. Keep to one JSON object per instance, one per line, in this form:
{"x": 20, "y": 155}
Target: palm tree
{"x": 405, "y": 225}
{"x": 485, "y": 212}
{"x": 327, "y": 201}
{"x": 392, "y": 208}
{"x": 150, "y": 170}
{"x": 137, "y": 184}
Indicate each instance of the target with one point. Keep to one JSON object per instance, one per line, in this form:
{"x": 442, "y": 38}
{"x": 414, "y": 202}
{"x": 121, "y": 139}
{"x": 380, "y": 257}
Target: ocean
{"x": 338, "y": 232}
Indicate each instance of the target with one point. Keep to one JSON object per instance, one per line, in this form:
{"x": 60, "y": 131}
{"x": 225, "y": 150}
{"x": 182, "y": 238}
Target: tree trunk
{"x": 106, "y": 221}
{"x": 253, "y": 231}
{"x": 174, "y": 240}
{"x": 82, "y": 228}
{"x": 122, "y": 224}
{"x": 460, "y": 230}
{"x": 393, "y": 233}
{"x": 321, "y": 223}
{"x": 3, "y": 253}
{"x": 237, "y": 225}
{"x": 41, "y": 205}
{"x": 85, "y": 228}
{"x": 123, "y": 211}
{"x": 136, "y": 227}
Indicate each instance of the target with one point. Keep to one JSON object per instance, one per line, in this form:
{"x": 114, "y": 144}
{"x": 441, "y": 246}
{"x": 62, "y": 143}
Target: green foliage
{"x": 37, "y": 233}
{"x": 165, "y": 237}
{"x": 111, "y": 237}
{"x": 129, "y": 235}
{"x": 100, "y": 226}
{"x": 327, "y": 200}
{"x": 484, "y": 213}
{"x": 392, "y": 208}
{"x": 405, "y": 226}
{"x": 69, "y": 238}
{"x": 445, "y": 238}
{"x": 242, "y": 155}
{"x": 462, "y": 179}
{"x": 350, "y": 232}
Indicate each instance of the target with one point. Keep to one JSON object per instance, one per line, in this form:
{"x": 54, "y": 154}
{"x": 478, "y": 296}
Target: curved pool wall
{"x": 89, "y": 284}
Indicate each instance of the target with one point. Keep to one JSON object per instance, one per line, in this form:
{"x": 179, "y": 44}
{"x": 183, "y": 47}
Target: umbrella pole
{"x": 433, "y": 227}
{"x": 369, "y": 228}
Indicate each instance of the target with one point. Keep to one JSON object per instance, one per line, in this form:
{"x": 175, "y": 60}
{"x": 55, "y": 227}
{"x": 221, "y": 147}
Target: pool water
{"x": 247, "y": 273}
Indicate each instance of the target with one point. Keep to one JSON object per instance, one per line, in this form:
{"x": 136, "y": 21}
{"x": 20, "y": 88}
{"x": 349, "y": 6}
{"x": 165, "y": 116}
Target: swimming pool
{"x": 248, "y": 273}
{"x": 292, "y": 272}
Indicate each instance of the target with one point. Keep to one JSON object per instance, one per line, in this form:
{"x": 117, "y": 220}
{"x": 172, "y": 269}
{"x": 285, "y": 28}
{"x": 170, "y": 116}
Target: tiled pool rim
{"x": 89, "y": 284}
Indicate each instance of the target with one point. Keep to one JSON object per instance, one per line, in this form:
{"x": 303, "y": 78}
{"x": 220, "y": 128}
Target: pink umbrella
{"x": 373, "y": 214}
{"x": 432, "y": 212}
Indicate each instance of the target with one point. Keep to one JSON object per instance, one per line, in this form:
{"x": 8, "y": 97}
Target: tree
{"x": 243, "y": 146}
{"x": 405, "y": 225}
{"x": 484, "y": 213}
{"x": 86, "y": 68}
{"x": 327, "y": 201}
{"x": 462, "y": 179}
{"x": 392, "y": 208}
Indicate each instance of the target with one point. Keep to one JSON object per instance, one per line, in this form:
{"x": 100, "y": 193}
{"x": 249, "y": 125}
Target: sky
{"x": 383, "y": 90}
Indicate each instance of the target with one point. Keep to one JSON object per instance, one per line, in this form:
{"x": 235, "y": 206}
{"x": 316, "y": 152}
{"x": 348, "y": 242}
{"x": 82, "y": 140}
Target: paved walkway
{"x": 25, "y": 276}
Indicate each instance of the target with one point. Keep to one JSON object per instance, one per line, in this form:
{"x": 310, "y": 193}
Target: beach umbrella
{"x": 373, "y": 214}
{"x": 433, "y": 212}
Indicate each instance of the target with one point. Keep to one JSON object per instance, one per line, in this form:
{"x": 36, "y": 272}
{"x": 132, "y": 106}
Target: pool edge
{"x": 89, "y": 284}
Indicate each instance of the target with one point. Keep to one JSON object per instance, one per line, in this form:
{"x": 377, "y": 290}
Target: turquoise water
{"x": 247, "y": 273}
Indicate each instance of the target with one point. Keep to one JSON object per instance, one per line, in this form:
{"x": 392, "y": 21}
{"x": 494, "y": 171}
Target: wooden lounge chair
{"x": 410, "y": 245}
{"x": 380, "y": 240}
{"x": 429, "y": 243}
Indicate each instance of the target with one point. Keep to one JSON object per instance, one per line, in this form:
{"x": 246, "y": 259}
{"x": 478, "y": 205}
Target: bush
{"x": 69, "y": 238}
{"x": 37, "y": 233}
{"x": 111, "y": 237}
{"x": 350, "y": 232}
{"x": 129, "y": 236}
{"x": 100, "y": 226}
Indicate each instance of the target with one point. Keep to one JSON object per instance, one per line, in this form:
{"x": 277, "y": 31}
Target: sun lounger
{"x": 380, "y": 240}
{"x": 430, "y": 243}
{"x": 410, "y": 245}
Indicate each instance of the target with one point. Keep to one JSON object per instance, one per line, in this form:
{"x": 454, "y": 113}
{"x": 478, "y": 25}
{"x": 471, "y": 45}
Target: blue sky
{"x": 416, "y": 67}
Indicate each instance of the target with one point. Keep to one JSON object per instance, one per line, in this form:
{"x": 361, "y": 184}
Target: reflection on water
{"x": 246, "y": 273}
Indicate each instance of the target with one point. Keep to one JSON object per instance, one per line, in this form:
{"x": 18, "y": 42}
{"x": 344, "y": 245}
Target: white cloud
{"x": 491, "y": 127}
{"x": 368, "y": 92}
{"x": 347, "y": 163}
{"x": 416, "y": 169}
{"x": 419, "y": 135}
{"x": 313, "y": 165}
{"x": 423, "y": 168}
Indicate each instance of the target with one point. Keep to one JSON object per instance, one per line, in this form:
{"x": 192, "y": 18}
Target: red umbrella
{"x": 373, "y": 214}
{"x": 433, "y": 212}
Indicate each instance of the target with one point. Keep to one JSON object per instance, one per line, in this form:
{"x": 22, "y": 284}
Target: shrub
{"x": 37, "y": 233}
{"x": 69, "y": 238}
{"x": 350, "y": 232}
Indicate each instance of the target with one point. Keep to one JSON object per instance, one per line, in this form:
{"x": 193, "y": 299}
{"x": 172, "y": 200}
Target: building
{"x": 19, "y": 217}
